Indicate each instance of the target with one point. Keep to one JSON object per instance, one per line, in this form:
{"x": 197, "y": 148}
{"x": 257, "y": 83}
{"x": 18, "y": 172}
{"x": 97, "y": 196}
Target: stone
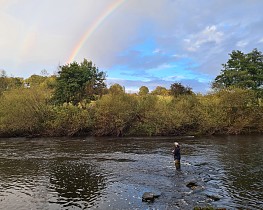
{"x": 192, "y": 184}
{"x": 149, "y": 197}
{"x": 213, "y": 197}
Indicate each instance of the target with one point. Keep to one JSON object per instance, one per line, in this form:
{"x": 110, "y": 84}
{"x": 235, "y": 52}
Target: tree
{"x": 8, "y": 83}
{"x": 76, "y": 82}
{"x": 44, "y": 73}
{"x": 14, "y": 82}
{"x": 159, "y": 90}
{"x": 116, "y": 89}
{"x": 3, "y": 81}
{"x": 143, "y": 90}
{"x": 2, "y": 73}
{"x": 35, "y": 80}
{"x": 50, "y": 82}
{"x": 241, "y": 71}
{"x": 178, "y": 89}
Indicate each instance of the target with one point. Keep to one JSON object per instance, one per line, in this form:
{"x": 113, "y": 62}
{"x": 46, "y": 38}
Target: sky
{"x": 136, "y": 42}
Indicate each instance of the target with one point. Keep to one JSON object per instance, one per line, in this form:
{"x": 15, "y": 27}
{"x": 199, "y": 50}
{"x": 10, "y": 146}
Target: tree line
{"x": 76, "y": 101}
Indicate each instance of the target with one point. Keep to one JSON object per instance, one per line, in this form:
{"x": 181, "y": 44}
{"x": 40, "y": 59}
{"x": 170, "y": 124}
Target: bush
{"x": 23, "y": 111}
{"x": 210, "y": 116}
{"x": 68, "y": 120}
{"x": 114, "y": 114}
{"x": 238, "y": 105}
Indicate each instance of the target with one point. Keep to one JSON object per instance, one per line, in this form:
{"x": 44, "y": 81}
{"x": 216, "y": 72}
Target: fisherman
{"x": 177, "y": 155}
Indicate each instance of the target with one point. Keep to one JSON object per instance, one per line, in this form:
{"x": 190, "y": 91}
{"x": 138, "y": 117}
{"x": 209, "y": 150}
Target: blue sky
{"x": 142, "y": 42}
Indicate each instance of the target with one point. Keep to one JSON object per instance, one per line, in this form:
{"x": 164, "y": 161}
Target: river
{"x": 113, "y": 173}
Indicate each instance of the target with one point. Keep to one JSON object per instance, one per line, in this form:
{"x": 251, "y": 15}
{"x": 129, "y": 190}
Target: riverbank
{"x": 87, "y": 135}
{"x": 31, "y": 113}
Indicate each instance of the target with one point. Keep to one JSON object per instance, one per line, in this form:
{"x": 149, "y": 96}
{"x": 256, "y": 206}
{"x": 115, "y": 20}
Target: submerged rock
{"x": 198, "y": 189}
{"x": 213, "y": 197}
{"x": 201, "y": 164}
{"x": 192, "y": 184}
{"x": 149, "y": 197}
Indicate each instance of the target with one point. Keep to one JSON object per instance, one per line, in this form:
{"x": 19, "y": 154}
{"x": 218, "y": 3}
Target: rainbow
{"x": 109, "y": 10}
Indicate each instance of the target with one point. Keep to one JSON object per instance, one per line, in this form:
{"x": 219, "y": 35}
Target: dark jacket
{"x": 177, "y": 154}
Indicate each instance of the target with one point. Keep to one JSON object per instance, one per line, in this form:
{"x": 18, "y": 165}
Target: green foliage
{"x": 35, "y": 80}
{"x": 3, "y": 81}
{"x": 116, "y": 89}
{"x": 256, "y": 125}
{"x": 8, "y": 83}
{"x": 49, "y": 83}
{"x": 14, "y": 82}
{"x": 154, "y": 116}
{"x": 242, "y": 71}
{"x": 182, "y": 114}
{"x": 114, "y": 114}
{"x": 238, "y": 105}
{"x": 68, "y": 120}
{"x": 147, "y": 117}
{"x": 77, "y": 82}
{"x": 143, "y": 90}
{"x": 177, "y": 89}
{"x": 209, "y": 114}
{"x": 29, "y": 111}
{"x": 159, "y": 90}
{"x": 23, "y": 111}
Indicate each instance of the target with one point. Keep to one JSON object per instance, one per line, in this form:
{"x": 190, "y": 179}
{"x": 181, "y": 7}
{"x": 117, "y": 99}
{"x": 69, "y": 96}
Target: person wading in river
{"x": 177, "y": 155}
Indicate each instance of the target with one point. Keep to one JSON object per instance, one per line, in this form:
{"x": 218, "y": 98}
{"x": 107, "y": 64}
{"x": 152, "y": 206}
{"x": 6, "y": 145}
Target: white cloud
{"x": 209, "y": 34}
{"x": 242, "y": 43}
{"x": 161, "y": 67}
{"x": 175, "y": 78}
{"x": 179, "y": 56}
{"x": 157, "y": 51}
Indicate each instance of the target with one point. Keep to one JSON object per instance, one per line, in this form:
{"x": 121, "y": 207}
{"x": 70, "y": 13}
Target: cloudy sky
{"x": 136, "y": 42}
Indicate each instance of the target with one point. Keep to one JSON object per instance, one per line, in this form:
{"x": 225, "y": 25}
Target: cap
{"x": 176, "y": 144}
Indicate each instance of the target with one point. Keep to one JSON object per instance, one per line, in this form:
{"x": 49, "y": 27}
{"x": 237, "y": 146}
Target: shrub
{"x": 114, "y": 114}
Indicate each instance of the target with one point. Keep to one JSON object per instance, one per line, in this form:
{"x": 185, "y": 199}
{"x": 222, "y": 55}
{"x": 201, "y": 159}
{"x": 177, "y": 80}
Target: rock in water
{"x": 192, "y": 184}
{"x": 213, "y": 197}
{"x": 149, "y": 197}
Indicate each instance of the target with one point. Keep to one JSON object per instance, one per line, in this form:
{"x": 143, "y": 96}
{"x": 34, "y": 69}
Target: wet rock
{"x": 201, "y": 164}
{"x": 192, "y": 184}
{"x": 181, "y": 203}
{"x": 213, "y": 197}
{"x": 149, "y": 197}
{"x": 198, "y": 189}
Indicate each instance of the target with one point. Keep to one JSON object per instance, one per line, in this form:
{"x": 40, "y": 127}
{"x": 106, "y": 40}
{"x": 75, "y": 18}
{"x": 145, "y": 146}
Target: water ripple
{"x": 84, "y": 173}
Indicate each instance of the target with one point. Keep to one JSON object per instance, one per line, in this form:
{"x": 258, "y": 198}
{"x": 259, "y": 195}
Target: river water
{"x": 113, "y": 173}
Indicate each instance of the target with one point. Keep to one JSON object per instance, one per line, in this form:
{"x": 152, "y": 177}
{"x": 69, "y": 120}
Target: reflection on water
{"x": 245, "y": 170}
{"x": 106, "y": 173}
{"x": 77, "y": 184}
{"x": 46, "y": 174}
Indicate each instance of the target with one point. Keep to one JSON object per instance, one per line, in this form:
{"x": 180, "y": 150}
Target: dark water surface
{"x": 108, "y": 173}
